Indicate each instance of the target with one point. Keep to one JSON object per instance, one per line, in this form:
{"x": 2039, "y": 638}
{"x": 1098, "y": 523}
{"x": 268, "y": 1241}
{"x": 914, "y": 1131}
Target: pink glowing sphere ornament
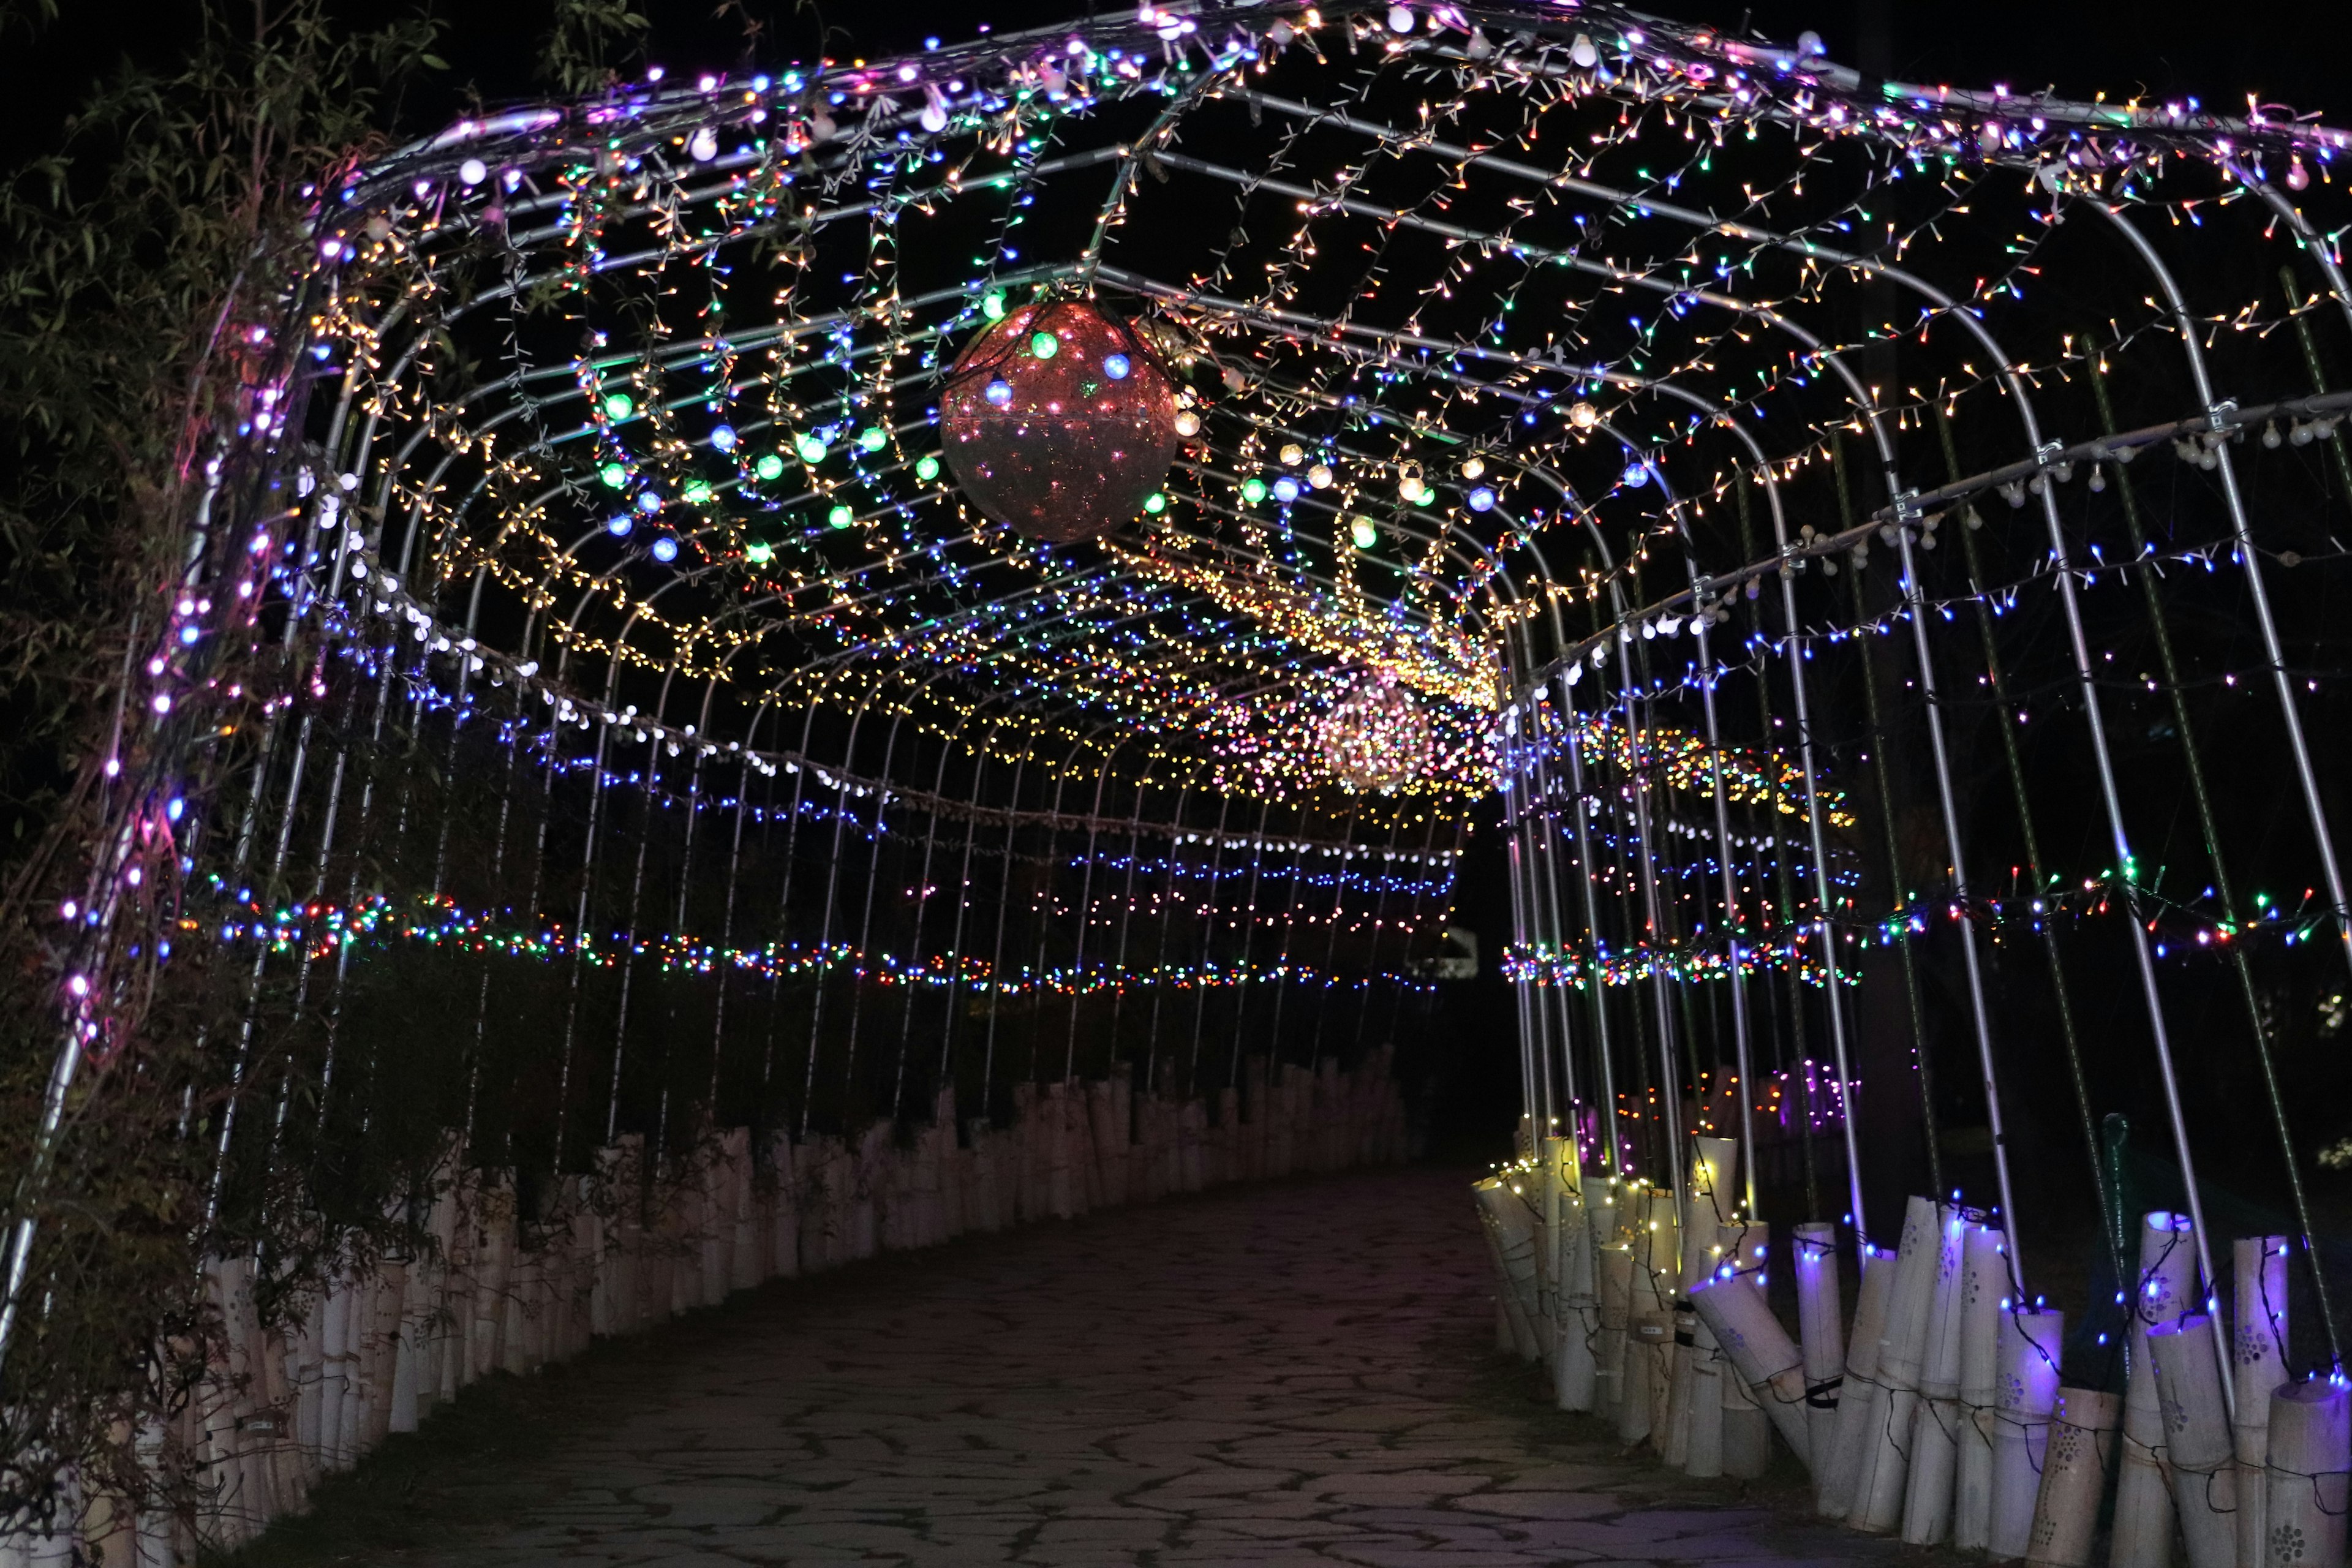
{"x": 1059, "y": 420}
{"x": 1375, "y": 739}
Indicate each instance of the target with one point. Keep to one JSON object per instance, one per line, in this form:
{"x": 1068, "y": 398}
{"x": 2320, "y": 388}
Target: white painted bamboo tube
{"x": 335, "y": 1373}
{"x": 1858, "y": 1396}
{"x": 2310, "y": 1454}
{"x": 1760, "y": 1352}
{"x": 1672, "y": 1434}
{"x": 1495, "y": 1207}
{"x": 1745, "y": 1249}
{"x": 1879, "y": 1482}
{"x": 1712, "y": 1203}
{"x": 2073, "y": 1477}
{"x": 2024, "y": 1399}
{"x": 390, "y": 1299}
{"x": 1574, "y": 1371}
{"x": 1654, "y": 1292}
{"x": 1703, "y": 1412}
{"x": 2198, "y": 1458}
{"x": 1984, "y": 1291}
{"x": 2166, "y": 1289}
{"x": 1649, "y": 1339}
{"x": 1550, "y": 1197}
{"x": 1821, "y": 1335}
{"x": 2258, "y": 1367}
{"x": 1615, "y": 1266}
{"x": 1935, "y": 1429}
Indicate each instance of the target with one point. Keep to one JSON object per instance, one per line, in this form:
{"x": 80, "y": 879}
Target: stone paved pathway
{"x": 1300, "y": 1374}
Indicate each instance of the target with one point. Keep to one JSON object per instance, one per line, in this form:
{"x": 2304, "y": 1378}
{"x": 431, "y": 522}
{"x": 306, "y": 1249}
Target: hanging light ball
{"x": 1375, "y": 739}
{"x": 1059, "y": 419}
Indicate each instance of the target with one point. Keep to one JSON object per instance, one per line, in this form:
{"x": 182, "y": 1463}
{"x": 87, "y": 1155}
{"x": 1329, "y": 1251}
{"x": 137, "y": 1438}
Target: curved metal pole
{"x": 825, "y": 930}
{"x": 857, "y": 969}
{"x": 1085, "y": 899}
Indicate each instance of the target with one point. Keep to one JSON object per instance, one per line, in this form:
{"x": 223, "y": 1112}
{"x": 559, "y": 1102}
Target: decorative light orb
{"x": 619, "y": 524}
{"x": 812, "y": 448}
{"x": 1583, "y": 415}
{"x": 665, "y": 548}
{"x": 1473, "y": 466}
{"x": 649, "y": 501}
{"x": 1285, "y": 489}
{"x": 768, "y": 467}
{"x": 1635, "y": 475}
{"x": 992, "y": 304}
{"x": 1481, "y": 499}
{"x": 840, "y": 516}
{"x": 1364, "y": 531}
{"x": 1061, "y": 454}
{"x": 1155, "y": 503}
{"x": 1399, "y": 18}
{"x": 473, "y": 171}
{"x": 1292, "y": 454}
{"x": 1582, "y": 52}
{"x": 1117, "y": 366}
{"x": 694, "y": 492}
{"x": 1375, "y": 739}
{"x": 615, "y": 475}
{"x": 1253, "y": 490}
{"x": 703, "y": 145}
{"x": 926, "y": 468}
{"x": 873, "y": 438}
{"x": 1319, "y": 476}
{"x": 758, "y": 552}
{"x": 619, "y": 405}
{"x": 722, "y": 437}
{"x": 1188, "y": 423}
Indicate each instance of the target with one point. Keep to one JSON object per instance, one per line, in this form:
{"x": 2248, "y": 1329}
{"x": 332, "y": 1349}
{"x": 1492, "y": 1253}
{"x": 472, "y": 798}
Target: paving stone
{"x": 1295, "y": 1375}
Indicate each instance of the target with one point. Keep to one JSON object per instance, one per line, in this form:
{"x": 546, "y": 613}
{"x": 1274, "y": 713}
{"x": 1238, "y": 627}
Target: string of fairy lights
{"x": 1530, "y": 385}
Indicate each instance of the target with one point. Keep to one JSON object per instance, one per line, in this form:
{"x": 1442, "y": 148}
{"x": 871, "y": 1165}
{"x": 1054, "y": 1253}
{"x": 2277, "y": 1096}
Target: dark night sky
{"x": 2289, "y": 54}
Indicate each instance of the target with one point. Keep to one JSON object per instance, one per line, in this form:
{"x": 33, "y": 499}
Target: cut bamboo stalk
{"x": 2025, "y": 1397}
{"x": 1574, "y": 1371}
{"x": 1879, "y": 1483}
{"x": 1760, "y": 1350}
{"x": 2074, "y": 1473}
{"x": 1935, "y": 1430}
{"x": 2258, "y": 1367}
{"x": 2198, "y": 1458}
{"x": 1821, "y": 1336}
{"x": 1515, "y": 1244}
{"x": 1615, "y": 1265}
{"x": 1984, "y": 1291}
{"x": 2310, "y": 1454}
{"x": 1835, "y": 1494}
{"x": 2167, "y": 1288}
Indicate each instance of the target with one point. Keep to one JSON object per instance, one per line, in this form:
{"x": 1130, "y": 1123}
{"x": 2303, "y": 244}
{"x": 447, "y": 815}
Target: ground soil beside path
{"x": 1300, "y": 1373}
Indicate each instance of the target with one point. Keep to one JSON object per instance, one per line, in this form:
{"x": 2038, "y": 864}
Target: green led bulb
{"x": 1252, "y": 490}
{"x": 695, "y": 493}
{"x": 872, "y": 439}
{"x": 615, "y": 475}
{"x": 618, "y": 406}
{"x": 758, "y": 552}
{"x": 1365, "y": 532}
{"x": 992, "y": 304}
{"x": 812, "y": 450}
{"x": 840, "y": 516}
{"x": 1045, "y": 345}
{"x": 1155, "y": 503}
{"x": 926, "y": 468}
{"x": 768, "y": 467}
